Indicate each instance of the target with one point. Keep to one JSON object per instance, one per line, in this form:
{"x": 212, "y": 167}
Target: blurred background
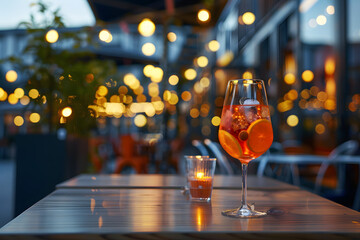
{"x": 131, "y": 86}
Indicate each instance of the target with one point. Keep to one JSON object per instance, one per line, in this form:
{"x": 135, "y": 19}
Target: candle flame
{"x": 200, "y": 175}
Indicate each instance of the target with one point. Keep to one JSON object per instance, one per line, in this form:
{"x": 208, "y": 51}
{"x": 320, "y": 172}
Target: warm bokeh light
{"x": 292, "y": 94}
{"x": 139, "y": 90}
{"x": 330, "y": 9}
{"x": 11, "y": 76}
{"x": 52, "y": 36}
{"x": 141, "y": 98}
{"x": 102, "y": 91}
{"x": 203, "y": 15}
{"x": 320, "y": 128}
{"x": 285, "y": 106}
{"x": 186, "y": 96}
{"x": 174, "y": 99}
{"x": 34, "y": 117}
{"x": 322, "y": 96}
{"x": 148, "y": 70}
{"x": 247, "y": 75}
{"x": 330, "y": 66}
{"x": 330, "y": 87}
{"x": 89, "y": 78}
{"x": 105, "y": 35}
{"x": 205, "y": 82}
{"x": 248, "y": 18}
{"x": 321, "y": 20}
{"x": 66, "y": 112}
{"x": 214, "y": 45}
{"x": 25, "y": 100}
{"x": 148, "y": 49}
{"x": 3, "y": 95}
{"x": 34, "y": 93}
{"x": 225, "y": 59}
{"x": 13, "y": 99}
{"x": 123, "y": 90}
{"x": 173, "y": 80}
{"x": 115, "y": 99}
{"x": 140, "y": 120}
{"x": 171, "y": 36}
{"x": 305, "y": 94}
{"x": 198, "y": 88}
{"x": 153, "y": 89}
{"x": 190, "y": 74}
{"x": 194, "y": 113}
{"x": 289, "y": 78}
{"x": 2, "y": 92}
{"x": 129, "y": 79}
{"x": 292, "y": 120}
{"x": 166, "y": 95}
{"x": 215, "y": 121}
{"x": 18, "y": 121}
{"x": 157, "y": 75}
{"x": 307, "y": 76}
{"x": 146, "y": 27}
{"x": 330, "y": 104}
{"x": 314, "y": 90}
{"x": 19, "y": 92}
{"x": 202, "y": 61}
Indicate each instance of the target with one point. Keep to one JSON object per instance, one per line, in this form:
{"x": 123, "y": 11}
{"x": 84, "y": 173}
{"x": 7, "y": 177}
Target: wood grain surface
{"x": 166, "y": 213}
{"x": 168, "y": 181}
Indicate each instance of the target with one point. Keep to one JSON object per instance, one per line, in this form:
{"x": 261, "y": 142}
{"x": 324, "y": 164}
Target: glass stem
{"x": 244, "y": 186}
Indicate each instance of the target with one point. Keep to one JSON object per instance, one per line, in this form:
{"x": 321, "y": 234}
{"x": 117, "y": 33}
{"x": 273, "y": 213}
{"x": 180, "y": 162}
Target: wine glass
{"x": 245, "y": 131}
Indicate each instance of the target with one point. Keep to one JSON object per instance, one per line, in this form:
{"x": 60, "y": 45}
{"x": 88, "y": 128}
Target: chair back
{"x": 345, "y": 149}
{"x": 199, "y": 146}
{"x": 225, "y": 167}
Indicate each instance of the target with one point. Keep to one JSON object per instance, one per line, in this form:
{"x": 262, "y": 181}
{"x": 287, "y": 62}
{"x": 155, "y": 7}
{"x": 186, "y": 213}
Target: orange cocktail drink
{"x": 245, "y": 131}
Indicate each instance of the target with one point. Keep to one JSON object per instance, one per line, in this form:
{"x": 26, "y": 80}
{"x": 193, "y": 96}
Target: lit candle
{"x": 200, "y": 186}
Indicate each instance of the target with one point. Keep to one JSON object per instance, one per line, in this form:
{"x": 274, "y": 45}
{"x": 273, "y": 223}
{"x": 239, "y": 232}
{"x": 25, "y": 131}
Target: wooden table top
{"x": 168, "y": 181}
{"x": 166, "y": 213}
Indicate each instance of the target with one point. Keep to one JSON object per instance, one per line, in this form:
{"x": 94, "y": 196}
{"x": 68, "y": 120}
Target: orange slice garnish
{"x": 260, "y": 136}
{"x": 230, "y": 144}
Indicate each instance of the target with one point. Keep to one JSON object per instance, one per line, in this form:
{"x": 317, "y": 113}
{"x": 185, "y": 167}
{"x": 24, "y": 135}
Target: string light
{"x": 52, "y": 36}
{"x": 11, "y": 76}
{"x": 248, "y": 18}
{"x": 146, "y": 27}
{"x": 190, "y": 74}
{"x": 66, "y": 112}
{"x": 203, "y": 15}
{"x": 214, "y": 45}
{"x": 148, "y": 49}
{"x": 171, "y": 36}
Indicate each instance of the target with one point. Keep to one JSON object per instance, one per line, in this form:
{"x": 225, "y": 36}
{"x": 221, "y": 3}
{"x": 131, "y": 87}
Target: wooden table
{"x": 153, "y": 207}
{"x": 168, "y": 181}
{"x": 166, "y": 213}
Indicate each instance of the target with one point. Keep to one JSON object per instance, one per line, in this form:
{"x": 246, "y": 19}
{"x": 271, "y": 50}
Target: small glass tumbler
{"x": 200, "y": 178}
{"x": 187, "y": 158}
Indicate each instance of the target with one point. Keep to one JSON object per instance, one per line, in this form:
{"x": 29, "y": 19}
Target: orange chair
{"x": 95, "y": 158}
{"x": 129, "y": 156}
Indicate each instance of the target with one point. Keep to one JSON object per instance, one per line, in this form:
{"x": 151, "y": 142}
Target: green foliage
{"x": 63, "y": 72}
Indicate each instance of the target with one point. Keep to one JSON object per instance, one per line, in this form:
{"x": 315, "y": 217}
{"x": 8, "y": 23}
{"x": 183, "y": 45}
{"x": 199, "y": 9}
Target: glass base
{"x": 242, "y": 213}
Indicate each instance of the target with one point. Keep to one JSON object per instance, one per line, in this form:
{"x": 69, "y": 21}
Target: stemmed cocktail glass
{"x": 245, "y": 131}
